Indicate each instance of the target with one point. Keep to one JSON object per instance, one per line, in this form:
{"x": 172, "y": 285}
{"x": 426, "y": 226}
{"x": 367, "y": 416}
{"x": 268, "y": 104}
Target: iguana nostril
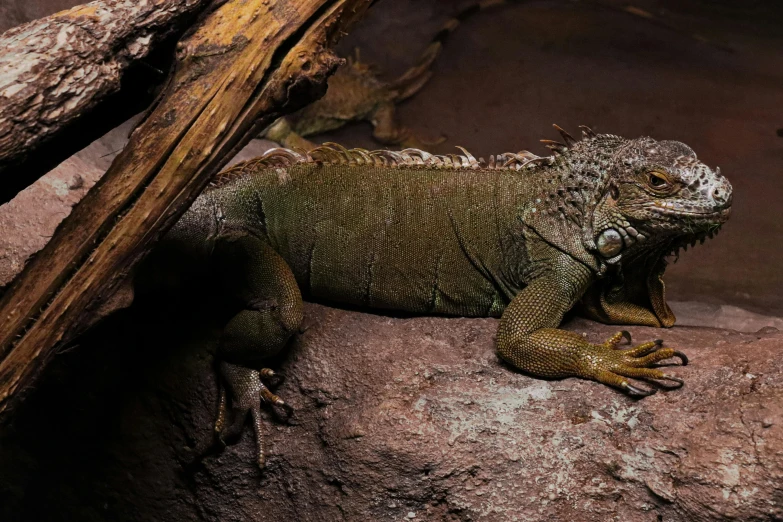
{"x": 719, "y": 196}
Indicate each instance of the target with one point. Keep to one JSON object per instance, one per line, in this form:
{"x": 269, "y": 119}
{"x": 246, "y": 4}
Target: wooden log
{"x": 55, "y": 70}
{"x": 247, "y": 63}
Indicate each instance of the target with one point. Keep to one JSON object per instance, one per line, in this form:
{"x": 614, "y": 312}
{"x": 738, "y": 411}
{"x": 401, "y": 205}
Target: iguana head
{"x": 634, "y": 201}
{"x": 658, "y": 193}
{"x": 656, "y": 198}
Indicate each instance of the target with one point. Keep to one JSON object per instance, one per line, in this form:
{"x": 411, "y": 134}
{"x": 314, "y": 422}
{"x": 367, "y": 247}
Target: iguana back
{"x": 413, "y": 238}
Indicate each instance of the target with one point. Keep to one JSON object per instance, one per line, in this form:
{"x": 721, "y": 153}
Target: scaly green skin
{"x": 520, "y": 237}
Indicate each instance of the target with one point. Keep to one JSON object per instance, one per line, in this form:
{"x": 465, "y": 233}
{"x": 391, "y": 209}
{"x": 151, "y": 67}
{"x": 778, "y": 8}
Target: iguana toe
{"x": 273, "y": 400}
{"x": 248, "y": 391}
{"x": 606, "y": 364}
{"x": 614, "y": 340}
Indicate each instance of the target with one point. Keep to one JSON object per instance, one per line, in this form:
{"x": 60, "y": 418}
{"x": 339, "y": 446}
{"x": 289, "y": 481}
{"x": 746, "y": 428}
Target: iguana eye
{"x": 658, "y": 181}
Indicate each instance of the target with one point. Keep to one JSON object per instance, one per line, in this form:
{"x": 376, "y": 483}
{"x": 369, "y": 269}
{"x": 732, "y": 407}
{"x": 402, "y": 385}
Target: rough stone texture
{"x": 397, "y": 416}
{"x": 29, "y": 220}
{"x": 693, "y": 313}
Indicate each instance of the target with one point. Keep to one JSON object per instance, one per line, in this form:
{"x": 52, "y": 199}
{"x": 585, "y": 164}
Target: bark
{"x": 247, "y": 63}
{"x": 55, "y": 70}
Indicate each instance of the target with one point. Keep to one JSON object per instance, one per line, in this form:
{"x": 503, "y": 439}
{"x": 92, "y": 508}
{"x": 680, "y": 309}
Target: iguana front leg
{"x": 528, "y": 337}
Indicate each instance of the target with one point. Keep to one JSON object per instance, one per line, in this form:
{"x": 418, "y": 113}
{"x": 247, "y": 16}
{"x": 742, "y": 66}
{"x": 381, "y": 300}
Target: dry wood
{"x": 54, "y": 70}
{"x": 247, "y": 63}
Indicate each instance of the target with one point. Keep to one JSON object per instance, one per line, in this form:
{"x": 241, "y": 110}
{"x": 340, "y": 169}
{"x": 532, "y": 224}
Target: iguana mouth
{"x": 721, "y": 215}
{"x": 684, "y": 241}
{"x": 697, "y": 225}
{"x": 703, "y": 214}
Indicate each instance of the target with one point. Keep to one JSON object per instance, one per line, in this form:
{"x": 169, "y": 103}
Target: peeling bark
{"x": 247, "y": 63}
{"x": 53, "y": 71}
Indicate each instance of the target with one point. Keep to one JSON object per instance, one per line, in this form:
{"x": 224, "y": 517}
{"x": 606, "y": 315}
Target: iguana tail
{"x": 416, "y": 76}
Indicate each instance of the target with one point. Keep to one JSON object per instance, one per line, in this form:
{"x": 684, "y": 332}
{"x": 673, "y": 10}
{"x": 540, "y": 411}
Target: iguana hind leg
{"x": 248, "y": 390}
{"x": 252, "y": 272}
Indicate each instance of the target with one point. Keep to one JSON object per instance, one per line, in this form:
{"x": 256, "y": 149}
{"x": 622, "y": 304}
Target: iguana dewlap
{"x": 519, "y": 237}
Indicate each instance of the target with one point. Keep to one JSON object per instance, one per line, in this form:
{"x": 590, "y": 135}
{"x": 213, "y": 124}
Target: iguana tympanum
{"x": 520, "y": 237}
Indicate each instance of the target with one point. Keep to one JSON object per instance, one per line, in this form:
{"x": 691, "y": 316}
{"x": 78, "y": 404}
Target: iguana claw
{"x": 247, "y": 391}
{"x": 680, "y": 382}
{"x": 269, "y": 374}
{"x": 641, "y": 392}
{"x": 606, "y": 364}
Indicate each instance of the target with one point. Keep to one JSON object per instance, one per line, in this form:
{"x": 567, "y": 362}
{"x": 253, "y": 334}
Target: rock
{"x": 29, "y": 220}
{"x": 694, "y": 313}
{"x": 397, "y": 416}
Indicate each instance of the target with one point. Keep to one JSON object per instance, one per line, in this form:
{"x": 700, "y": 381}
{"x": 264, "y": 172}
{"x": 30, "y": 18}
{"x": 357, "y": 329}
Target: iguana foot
{"x": 607, "y": 364}
{"x": 248, "y": 391}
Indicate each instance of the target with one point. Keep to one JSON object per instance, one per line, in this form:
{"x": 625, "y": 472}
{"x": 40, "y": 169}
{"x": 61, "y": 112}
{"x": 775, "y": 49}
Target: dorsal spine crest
{"x": 335, "y": 154}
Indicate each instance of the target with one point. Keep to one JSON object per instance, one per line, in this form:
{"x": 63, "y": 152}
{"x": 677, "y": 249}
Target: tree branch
{"x": 56, "y": 70}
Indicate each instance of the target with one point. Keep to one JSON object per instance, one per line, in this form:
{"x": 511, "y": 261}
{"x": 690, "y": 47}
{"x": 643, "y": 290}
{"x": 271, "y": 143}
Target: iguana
{"x": 520, "y": 237}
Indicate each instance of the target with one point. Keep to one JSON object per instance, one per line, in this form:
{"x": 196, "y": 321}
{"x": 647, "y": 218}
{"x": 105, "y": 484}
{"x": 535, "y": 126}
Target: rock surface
{"x": 397, "y": 418}
{"x": 29, "y": 220}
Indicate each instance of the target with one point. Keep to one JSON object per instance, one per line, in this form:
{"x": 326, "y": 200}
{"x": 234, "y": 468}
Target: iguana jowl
{"x": 520, "y": 237}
